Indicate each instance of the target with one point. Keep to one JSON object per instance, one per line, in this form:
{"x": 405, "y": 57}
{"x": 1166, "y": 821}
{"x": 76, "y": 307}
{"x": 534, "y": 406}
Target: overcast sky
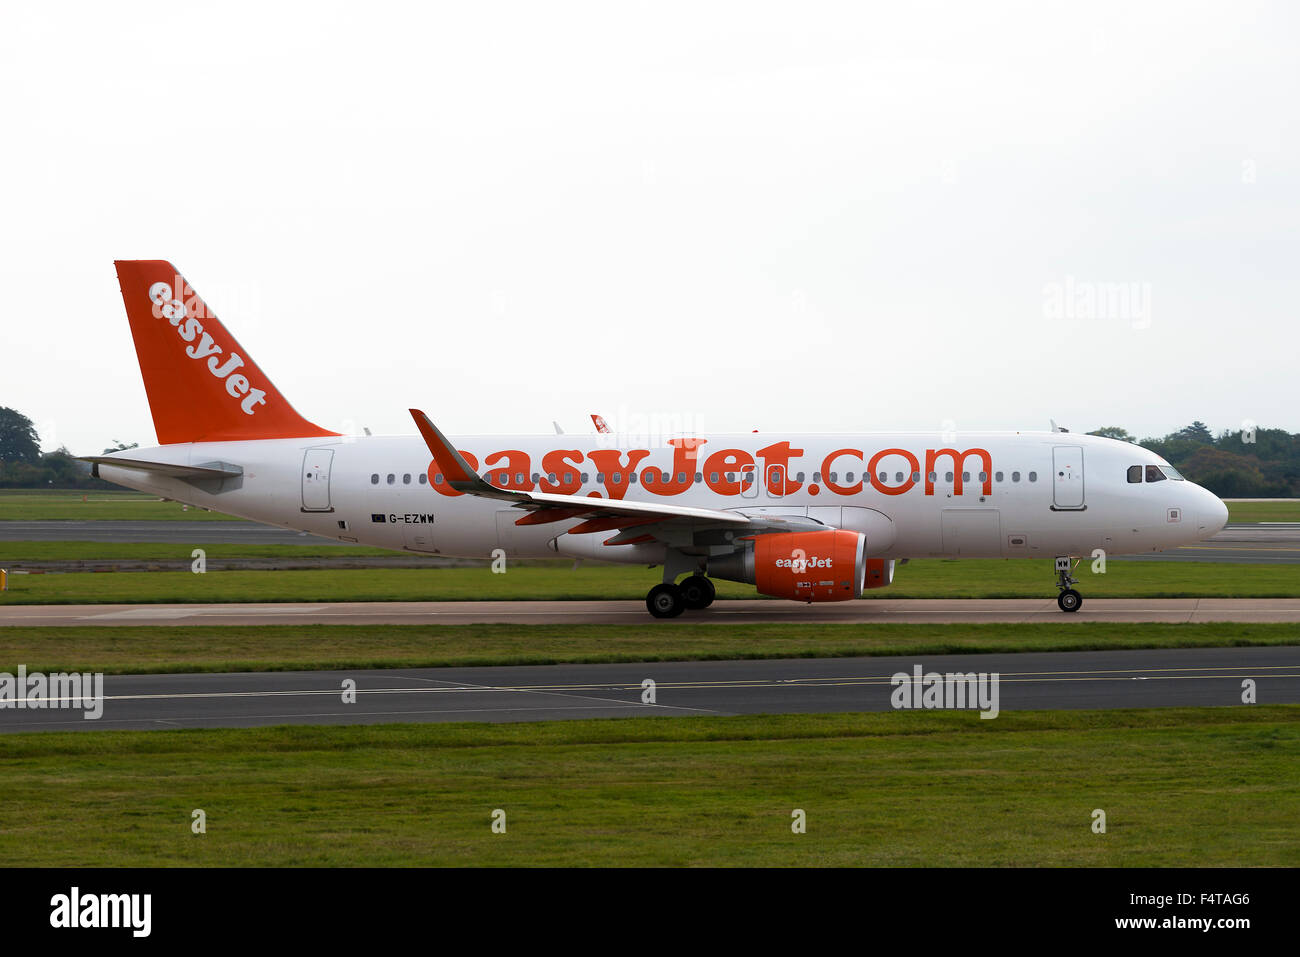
{"x": 775, "y": 216}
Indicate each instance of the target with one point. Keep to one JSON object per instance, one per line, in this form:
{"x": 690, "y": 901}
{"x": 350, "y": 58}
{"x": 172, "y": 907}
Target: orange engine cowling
{"x": 802, "y": 566}
{"x": 880, "y": 572}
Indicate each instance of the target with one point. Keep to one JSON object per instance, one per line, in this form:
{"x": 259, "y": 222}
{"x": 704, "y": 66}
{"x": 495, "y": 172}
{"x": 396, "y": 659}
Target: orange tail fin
{"x": 202, "y": 385}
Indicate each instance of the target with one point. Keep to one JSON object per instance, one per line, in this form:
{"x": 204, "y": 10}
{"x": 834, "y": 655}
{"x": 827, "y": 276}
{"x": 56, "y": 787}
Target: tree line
{"x": 24, "y": 465}
{"x": 1241, "y": 463}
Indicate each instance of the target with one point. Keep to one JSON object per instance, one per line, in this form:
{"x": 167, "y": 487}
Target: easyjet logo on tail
{"x": 185, "y": 316}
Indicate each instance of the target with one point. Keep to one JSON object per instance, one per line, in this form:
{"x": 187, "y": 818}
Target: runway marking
{"x": 182, "y": 612}
{"x": 566, "y": 691}
{"x": 466, "y": 687}
{"x": 1239, "y": 545}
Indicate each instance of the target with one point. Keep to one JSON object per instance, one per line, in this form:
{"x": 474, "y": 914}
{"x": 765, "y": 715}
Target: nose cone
{"x": 1212, "y": 514}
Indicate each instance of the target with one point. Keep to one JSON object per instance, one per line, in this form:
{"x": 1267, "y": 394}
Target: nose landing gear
{"x": 1068, "y": 600}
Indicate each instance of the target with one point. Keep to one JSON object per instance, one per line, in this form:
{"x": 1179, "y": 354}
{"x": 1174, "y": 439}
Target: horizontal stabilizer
{"x": 213, "y": 470}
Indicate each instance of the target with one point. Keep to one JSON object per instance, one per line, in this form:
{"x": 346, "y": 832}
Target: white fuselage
{"x": 1031, "y": 494}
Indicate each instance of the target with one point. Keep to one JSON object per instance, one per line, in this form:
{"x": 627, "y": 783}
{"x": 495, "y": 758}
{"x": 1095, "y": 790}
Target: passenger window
{"x": 947, "y": 476}
{"x": 437, "y": 479}
{"x": 898, "y": 478}
{"x": 1015, "y": 476}
{"x": 681, "y": 477}
{"x": 632, "y": 477}
{"x": 374, "y": 479}
{"x": 391, "y": 478}
{"x": 1134, "y": 474}
{"x": 817, "y": 476}
{"x": 965, "y": 477}
{"x": 997, "y": 476}
{"x": 916, "y": 476}
{"x": 1154, "y": 474}
{"x": 731, "y": 477}
{"x": 884, "y": 477}
{"x": 713, "y": 477}
{"x": 1033, "y": 476}
{"x": 424, "y": 479}
{"x": 586, "y": 477}
{"x": 933, "y": 476}
{"x": 406, "y": 479}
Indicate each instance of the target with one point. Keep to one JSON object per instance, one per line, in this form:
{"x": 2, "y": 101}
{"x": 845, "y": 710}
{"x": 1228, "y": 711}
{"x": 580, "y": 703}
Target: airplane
{"x": 809, "y": 517}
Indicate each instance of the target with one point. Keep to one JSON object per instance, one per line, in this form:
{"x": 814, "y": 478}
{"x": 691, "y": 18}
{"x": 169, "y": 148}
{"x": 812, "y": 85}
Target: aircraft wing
{"x": 598, "y": 514}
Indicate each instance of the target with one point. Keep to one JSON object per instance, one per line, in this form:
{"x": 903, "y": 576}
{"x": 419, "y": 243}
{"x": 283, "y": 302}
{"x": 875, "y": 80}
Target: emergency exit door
{"x": 316, "y": 480}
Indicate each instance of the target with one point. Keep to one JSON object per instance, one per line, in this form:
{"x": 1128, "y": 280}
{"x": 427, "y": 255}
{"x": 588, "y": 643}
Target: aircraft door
{"x": 316, "y": 480}
{"x": 1067, "y": 477}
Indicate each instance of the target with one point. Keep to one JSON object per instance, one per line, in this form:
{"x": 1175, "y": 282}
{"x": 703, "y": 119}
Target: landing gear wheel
{"x": 697, "y": 592}
{"x": 665, "y": 601}
{"x": 1069, "y": 600}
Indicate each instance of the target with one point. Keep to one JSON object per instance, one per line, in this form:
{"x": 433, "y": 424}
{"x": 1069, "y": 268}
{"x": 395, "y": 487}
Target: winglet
{"x": 450, "y": 462}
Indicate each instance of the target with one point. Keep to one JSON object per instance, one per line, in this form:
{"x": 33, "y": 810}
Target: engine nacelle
{"x": 880, "y": 572}
{"x": 802, "y": 566}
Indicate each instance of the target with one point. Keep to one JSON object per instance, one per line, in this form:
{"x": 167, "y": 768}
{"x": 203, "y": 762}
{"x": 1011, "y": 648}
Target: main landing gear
{"x": 669, "y": 600}
{"x": 1069, "y": 599}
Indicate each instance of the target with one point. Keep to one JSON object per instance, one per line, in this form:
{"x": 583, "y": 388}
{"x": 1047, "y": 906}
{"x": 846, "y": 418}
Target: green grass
{"x": 223, "y": 648}
{"x": 1288, "y": 511}
{"x": 927, "y": 578}
{"x": 1180, "y": 787}
{"x": 64, "y": 505}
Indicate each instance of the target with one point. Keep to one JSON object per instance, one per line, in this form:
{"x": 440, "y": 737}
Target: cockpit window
{"x": 1154, "y": 474}
{"x": 1134, "y": 474}
{"x": 1172, "y": 473}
